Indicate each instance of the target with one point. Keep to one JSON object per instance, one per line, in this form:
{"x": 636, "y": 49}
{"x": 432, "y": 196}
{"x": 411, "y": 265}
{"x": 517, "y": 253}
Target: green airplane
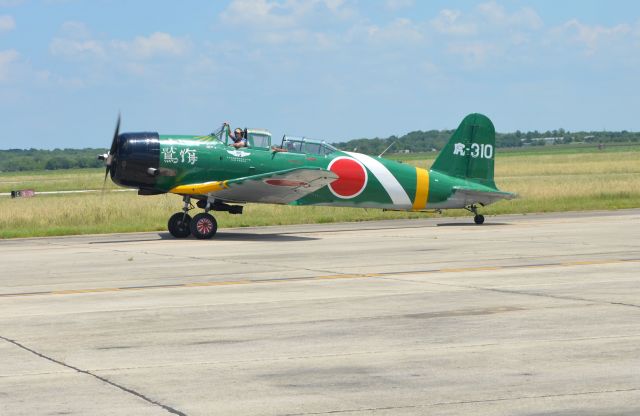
{"x": 220, "y": 176}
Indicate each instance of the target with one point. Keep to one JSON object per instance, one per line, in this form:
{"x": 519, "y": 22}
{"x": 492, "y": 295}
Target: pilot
{"x": 238, "y": 138}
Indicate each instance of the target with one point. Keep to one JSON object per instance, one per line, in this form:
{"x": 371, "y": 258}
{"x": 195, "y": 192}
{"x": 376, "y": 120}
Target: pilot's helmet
{"x": 238, "y": 132}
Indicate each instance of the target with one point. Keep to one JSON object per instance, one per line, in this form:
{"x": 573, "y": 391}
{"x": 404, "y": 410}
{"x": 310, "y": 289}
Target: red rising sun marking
{"x": 285, "y": 182}
{"x": 352, "y": 177}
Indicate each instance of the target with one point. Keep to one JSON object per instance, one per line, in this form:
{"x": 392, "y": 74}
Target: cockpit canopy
{"x": 303, "y": 145}
{"x": 261, "y": 139}
{"x": 256, "y": 138}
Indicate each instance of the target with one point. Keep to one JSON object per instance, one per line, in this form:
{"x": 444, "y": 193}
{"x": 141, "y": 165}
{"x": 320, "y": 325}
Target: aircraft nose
{"x": 136, "y": 159}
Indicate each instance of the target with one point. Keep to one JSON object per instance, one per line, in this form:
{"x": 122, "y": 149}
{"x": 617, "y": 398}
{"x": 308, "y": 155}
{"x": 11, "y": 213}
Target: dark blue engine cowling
{"x": 137, "y": 156}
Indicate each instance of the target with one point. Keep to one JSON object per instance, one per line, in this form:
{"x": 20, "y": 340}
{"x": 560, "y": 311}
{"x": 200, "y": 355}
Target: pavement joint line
{"x": 96, "y": 376}
{"x": 462, "y": 402}
{"x": 283, "y": 267}
{"x": 340, "y": 276}
{"x": 620, "y": 253}
{"x": 542, "y": 295}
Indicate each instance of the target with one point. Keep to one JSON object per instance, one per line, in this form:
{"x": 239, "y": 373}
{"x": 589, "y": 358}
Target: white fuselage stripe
{"x": 389, "y": 182}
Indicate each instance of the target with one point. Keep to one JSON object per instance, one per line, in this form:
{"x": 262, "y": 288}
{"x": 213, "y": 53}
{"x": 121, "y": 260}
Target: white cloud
{"x": 593, "y": 37}
{"x": 134, "y": 56}
{"x": 490, "y": 15}
{"x": 75, "y": 29}
{"x": 72, "y": 48}
{"x": 475, "y": 53}
{"x": 7, "y": 59}
{"x": 301, "y": 37}
{"x": 268, "y": 15}
{"x": 10, "y": 3}
{"x": 154, "y": 45}
{"x": 449, "y": 22}
{"x": 340, "y": 9}
{"x": 7, "y": 23}
{"x": 399, "y": 30}
{"x": 301, "y": 23}
{"x": 77, "y": 42}
{"x": 487, "y": 32}
{"x": 398, "y": 4}
{"x": 525, "y": 17}
{"x": 265, "y": 13}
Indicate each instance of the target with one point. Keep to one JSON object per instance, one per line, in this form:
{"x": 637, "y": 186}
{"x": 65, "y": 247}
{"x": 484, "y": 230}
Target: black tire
{"x": 179, "y": 225}
{"x": 478, "y": 219}
{"x": 204, "y": 226}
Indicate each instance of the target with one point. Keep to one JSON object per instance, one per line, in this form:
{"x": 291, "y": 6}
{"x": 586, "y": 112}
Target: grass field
{"x": 549, "y": 179}
{"x": 55, "y": 180}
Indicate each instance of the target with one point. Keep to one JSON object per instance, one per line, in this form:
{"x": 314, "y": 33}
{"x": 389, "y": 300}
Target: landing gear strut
{"x": 477, "y": 218}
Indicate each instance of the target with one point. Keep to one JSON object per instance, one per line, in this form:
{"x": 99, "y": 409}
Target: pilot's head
{"x": 238, "y": 133}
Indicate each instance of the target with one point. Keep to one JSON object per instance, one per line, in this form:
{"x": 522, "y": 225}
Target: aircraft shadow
{"x": 231, "y": 236}
{"x": 224, "y": 236}
{"x": 470, "y": 224}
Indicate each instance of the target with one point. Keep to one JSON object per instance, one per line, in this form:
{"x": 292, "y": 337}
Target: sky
{"x": 327, "y": 69}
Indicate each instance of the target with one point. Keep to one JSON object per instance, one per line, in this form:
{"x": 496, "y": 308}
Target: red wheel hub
{"x": 204, "y": 226}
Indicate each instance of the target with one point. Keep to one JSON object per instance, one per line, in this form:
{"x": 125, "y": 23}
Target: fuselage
{"x": 158, "y": 164}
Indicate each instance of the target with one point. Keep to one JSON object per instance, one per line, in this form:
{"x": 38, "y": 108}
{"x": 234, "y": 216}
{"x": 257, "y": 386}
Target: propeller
{"x": 108, "y": 157}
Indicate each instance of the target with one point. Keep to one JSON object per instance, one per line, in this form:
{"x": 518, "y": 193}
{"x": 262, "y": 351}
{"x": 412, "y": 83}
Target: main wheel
{"x": 179, "y": 225}
{"x": 478, "y": 219}
{"x": 204, "y": 226}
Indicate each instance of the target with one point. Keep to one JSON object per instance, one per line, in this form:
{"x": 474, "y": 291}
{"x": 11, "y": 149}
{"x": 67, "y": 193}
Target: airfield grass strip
{"x": 550, "y": 182}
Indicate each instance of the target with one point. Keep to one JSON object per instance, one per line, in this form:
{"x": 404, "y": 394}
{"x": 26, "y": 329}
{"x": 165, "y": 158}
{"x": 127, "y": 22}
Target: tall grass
{"x": 545, "y": 182}
{"x": 126, "y": 212}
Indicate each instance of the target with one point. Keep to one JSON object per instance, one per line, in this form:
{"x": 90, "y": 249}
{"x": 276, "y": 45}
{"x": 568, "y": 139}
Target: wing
{"x": 470, "y": 196}
{"x": 279, "y": 187}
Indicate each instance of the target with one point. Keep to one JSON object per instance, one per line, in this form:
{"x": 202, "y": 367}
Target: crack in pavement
{"x": 498, "y": 399}
{"x": 517, "y": 292}
{"x": 103, "y": 379}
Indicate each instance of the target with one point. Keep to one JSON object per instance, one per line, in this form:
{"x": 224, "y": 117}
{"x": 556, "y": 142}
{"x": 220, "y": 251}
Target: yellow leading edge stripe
{"x": 422, "y": 189}
{"x": 200, "y": 188}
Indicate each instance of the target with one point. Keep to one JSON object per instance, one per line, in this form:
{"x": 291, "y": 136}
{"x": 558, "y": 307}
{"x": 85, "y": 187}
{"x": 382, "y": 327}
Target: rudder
{"x": 470, "y": 151}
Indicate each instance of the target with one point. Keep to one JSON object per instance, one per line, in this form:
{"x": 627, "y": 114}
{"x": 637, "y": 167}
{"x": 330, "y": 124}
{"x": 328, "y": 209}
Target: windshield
{"x": 303, "y": 145}
{"x": 260, "y": 140}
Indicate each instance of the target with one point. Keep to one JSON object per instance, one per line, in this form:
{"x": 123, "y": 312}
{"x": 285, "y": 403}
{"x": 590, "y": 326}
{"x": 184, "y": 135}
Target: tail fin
{"x": 470, "y": 152}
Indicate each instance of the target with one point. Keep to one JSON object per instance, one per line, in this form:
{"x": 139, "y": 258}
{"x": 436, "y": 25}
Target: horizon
{"x": 328, "y": 69}
{"x": 542, "y": 135}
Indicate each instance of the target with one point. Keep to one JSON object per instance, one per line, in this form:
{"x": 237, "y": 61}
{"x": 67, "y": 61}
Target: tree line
{"x": 434, "y": 140}
{"x": 13, "y": 160}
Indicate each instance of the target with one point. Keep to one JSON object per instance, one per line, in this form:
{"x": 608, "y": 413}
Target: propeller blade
{"x": 108, "y": 158}
{"x": 114, "y": 142}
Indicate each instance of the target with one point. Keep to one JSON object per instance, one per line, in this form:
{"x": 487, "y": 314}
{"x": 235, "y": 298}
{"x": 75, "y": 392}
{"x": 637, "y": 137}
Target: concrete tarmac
{"x": 525, "y": 315}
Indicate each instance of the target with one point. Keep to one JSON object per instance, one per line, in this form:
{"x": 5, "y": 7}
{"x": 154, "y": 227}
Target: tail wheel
{"x": 478, "y": 219}
{"x": 203, "y": 226}
{"x": 179, "y": 225}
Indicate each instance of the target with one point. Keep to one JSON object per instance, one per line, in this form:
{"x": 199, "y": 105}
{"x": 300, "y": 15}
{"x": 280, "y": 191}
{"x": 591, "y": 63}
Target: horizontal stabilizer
{"x": 468, "y": 197}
